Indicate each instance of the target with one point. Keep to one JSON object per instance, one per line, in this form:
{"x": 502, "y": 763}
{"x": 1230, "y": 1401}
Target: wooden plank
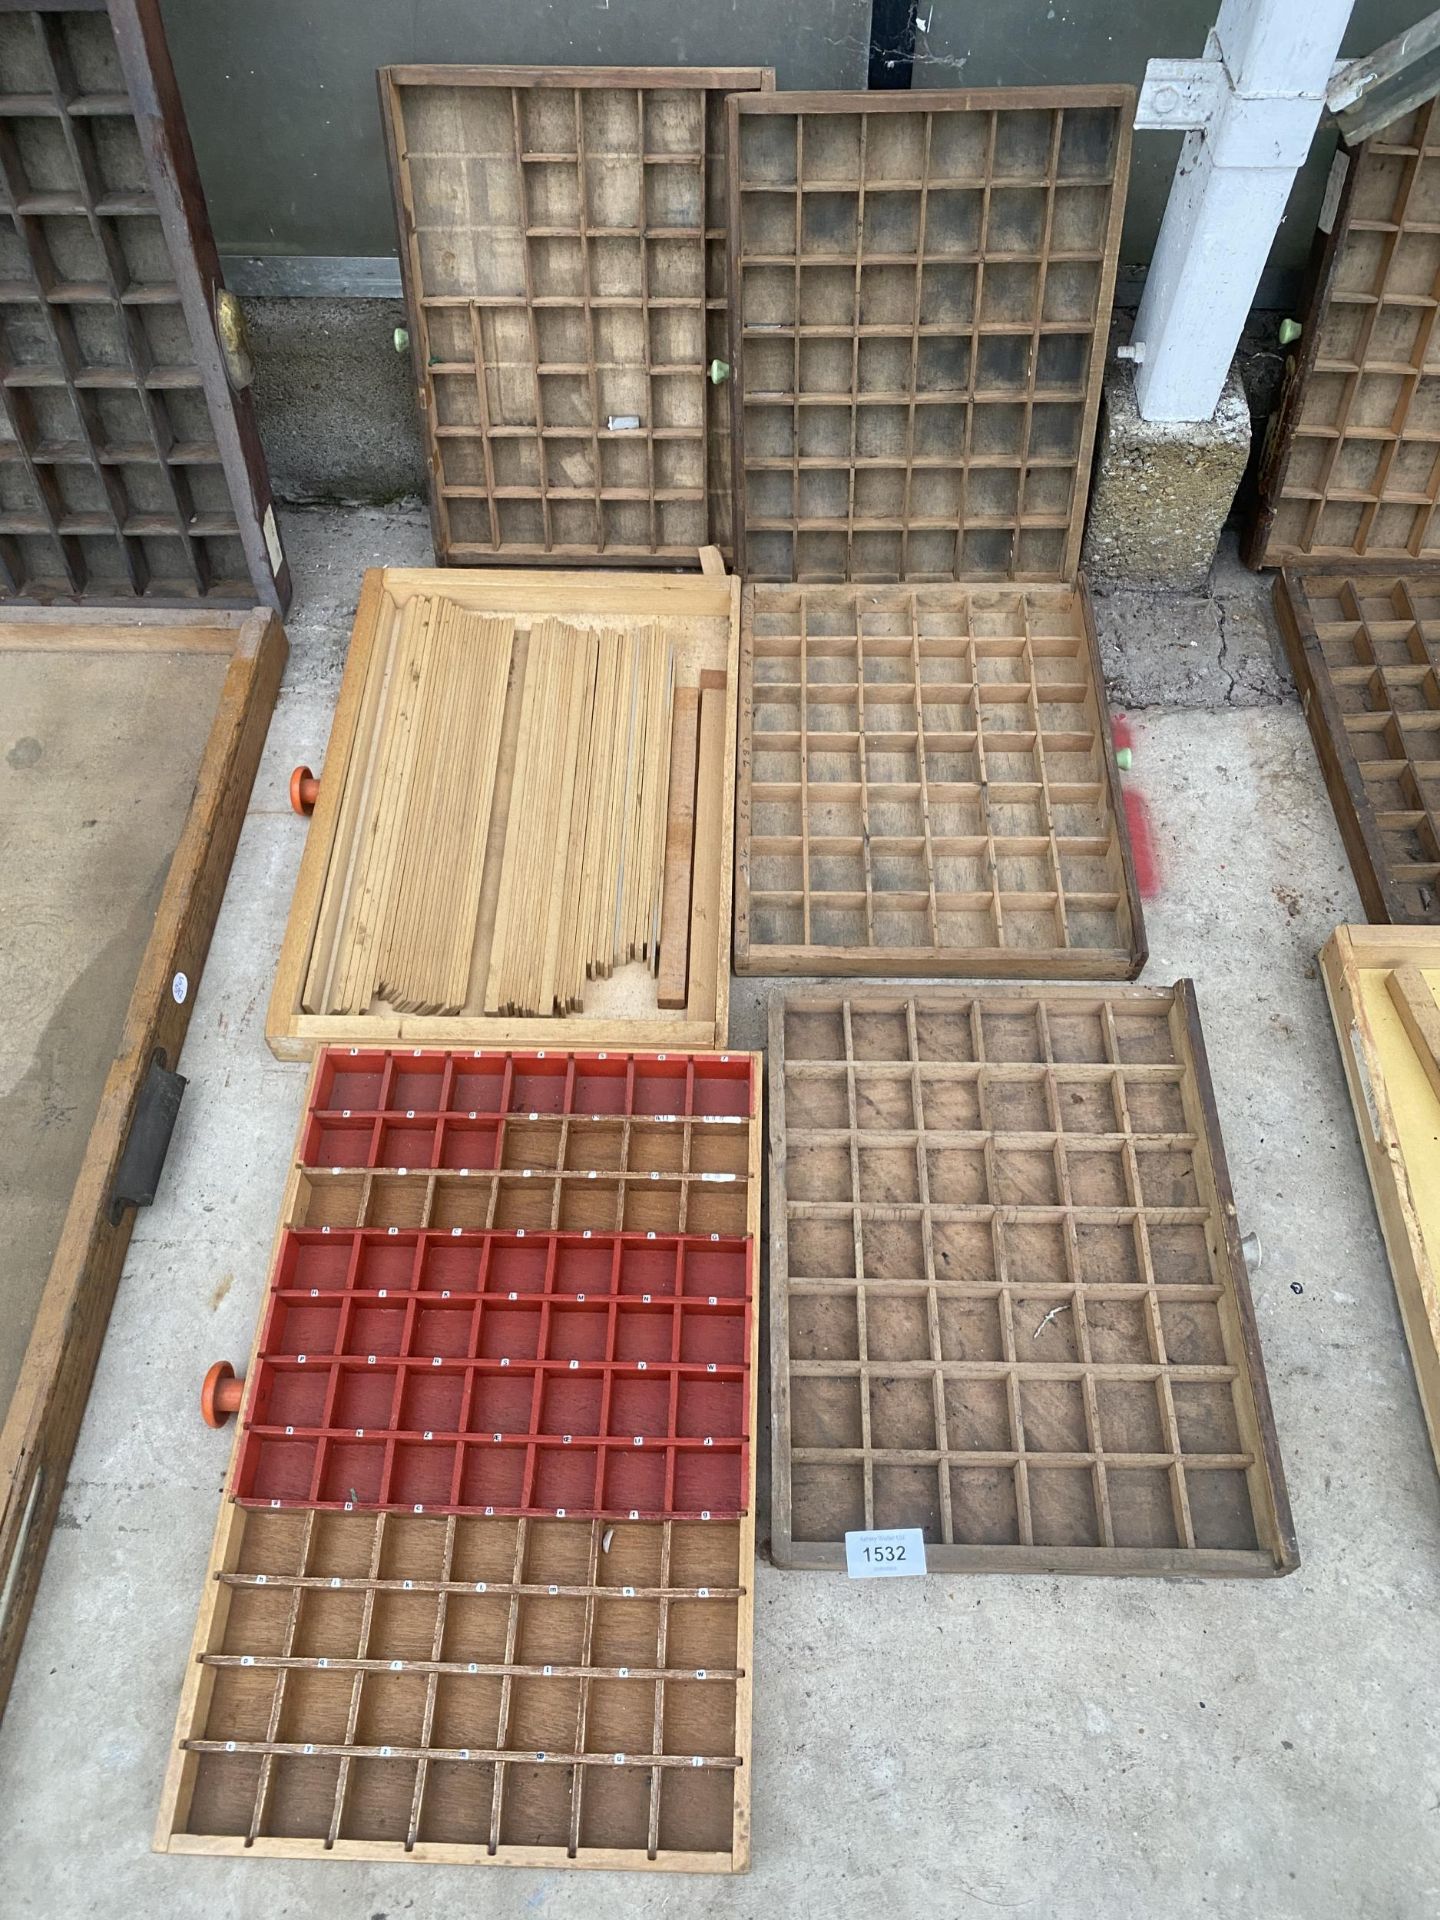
{"x": 946, "y": 1401}
{"x": 1394, "y": 1103}
{"x": 880, "y": 458}
{"x": 302, "y": 973}
{"x": 679, "y": 846}
{"x": 139, "y": 639}
{"x": 523, "y": 269}
{"x": 376, "y": 840}
{"x": 40, "y": 1429}
{"x": 1420, "y": 1017}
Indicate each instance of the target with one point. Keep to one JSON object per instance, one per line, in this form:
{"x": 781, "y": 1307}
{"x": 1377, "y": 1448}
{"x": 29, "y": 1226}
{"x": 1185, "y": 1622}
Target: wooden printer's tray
{"x": 700, "y": 615}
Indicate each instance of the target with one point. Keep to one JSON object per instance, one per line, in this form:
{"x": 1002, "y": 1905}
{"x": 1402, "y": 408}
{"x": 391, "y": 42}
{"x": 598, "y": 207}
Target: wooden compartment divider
{"x": 130, "y": 464}
{"x": 563, "y": 247}
{"x": 922, "y": 295}
{"x": 1365, "y": 652}
{"x": 927, "y": 785}
{"x": 1008, "y": 1302}
{"x": 1350, "y": 469}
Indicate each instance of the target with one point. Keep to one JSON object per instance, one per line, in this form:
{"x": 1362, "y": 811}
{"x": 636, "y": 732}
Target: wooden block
{"x": 679, "y": 849}
{"x": 1420, "y": 1017}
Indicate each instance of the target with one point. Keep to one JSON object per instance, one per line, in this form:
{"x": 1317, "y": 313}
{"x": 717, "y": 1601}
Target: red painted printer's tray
{"x": 580, "y": 1369}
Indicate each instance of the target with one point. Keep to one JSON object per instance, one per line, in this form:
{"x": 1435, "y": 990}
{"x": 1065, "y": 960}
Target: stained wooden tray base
{"x": 136, "y": 739}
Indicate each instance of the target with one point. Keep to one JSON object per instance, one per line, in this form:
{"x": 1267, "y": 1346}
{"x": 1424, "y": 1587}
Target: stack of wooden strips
{"x": 406, "y": 903}
{"x": 583, "y": 873}
{"x": 428, "y": 944}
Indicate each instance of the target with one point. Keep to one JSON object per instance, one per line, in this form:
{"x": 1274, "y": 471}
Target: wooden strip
{"x": 679, "y": 850}
{"x": 491, "y": 644}
{"x": 560, "y": 784}
{"x": 705, "y": 911}
{"x": 660, "y": 788}
{"x": 407, "y": 881}
{"x": 529, "y": 671}
{"x": 397, "y": 760}
{"x": 346, "y": 796}
{"x": 1420, "y": 1017}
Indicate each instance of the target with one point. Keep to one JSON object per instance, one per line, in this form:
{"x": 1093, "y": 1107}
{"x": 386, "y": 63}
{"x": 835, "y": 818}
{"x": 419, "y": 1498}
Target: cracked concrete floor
{"x": 1038, "y": 1746}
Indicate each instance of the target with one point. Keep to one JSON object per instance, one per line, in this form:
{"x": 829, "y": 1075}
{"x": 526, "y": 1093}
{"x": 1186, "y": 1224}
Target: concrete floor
{"x": 943, "y": 1748}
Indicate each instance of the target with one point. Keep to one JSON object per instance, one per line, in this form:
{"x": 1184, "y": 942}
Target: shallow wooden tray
{"x": 1364, "y": 649}
{"x": 132, "y": 742}
{"x": 1397, "y": 1115}
{"x": 357, "y": 1693}
{"x": 922, "y": 285}
{"x": 562, "y": 241}
{"x": 1348, "y": 470}
{"x": 701, "y": 613}
{"x": 131, "y": 469}
{"x": 1008, "y": 1303}
{"x": 927, "y": 785}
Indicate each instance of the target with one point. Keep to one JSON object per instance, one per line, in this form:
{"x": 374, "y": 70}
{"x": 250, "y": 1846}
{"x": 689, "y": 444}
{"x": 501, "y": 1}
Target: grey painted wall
{"x": 282, "y": 105}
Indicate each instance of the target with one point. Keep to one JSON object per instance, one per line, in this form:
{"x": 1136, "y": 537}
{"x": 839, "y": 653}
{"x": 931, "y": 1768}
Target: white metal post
{"x": 1251, "y": 106}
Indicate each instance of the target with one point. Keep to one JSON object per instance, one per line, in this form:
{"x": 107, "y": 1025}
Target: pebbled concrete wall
{"x": 337, "y": 411}
{"x": 336, "y": 402}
